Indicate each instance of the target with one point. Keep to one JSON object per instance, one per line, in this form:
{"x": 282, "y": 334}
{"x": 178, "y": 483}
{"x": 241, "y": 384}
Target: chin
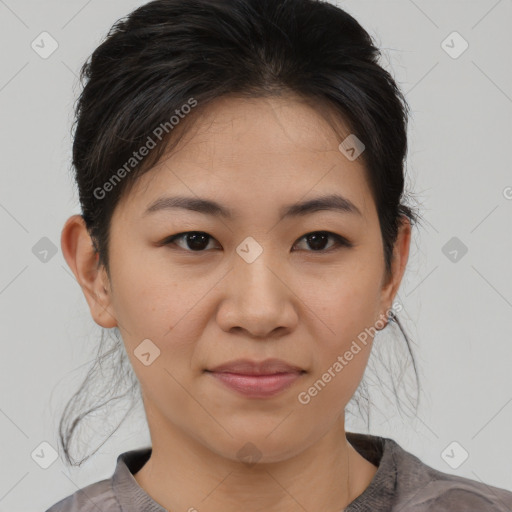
{"x": 263, "y": 445}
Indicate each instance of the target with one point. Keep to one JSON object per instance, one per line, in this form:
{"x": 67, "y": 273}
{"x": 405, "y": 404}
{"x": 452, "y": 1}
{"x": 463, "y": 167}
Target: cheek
{"x": 341, "y": 356}
{"x": 167, "y": 308}
{"x": 170, "y": 315}
{"x": 145, "y": 306}
{"x": 349, "y": 306}
{"x": 345, "y": 302}
{"x": 327, "y": 393}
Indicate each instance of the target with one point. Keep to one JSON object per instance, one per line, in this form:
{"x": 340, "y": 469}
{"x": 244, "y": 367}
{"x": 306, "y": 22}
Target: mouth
{"x": 257, "y": 379}
{"x": 249, "y": 367}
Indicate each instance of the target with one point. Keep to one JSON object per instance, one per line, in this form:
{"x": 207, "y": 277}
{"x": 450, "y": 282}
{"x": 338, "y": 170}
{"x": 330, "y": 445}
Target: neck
{"x": 183, "y": 474}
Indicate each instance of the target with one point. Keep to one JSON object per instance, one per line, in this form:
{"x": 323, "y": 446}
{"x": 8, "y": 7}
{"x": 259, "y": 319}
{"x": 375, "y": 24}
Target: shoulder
{"x": 457, "y": 494}
{"x": 93, "y": 497}
{"x": 115, "y": 494}
{"x": 420, "y": 488}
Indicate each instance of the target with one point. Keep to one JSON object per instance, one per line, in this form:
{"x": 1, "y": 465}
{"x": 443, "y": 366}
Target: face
{"x": 255, "y": 284}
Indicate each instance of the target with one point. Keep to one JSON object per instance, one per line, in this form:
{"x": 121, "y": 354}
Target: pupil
{"x": 196, "y": 241}
{"x": 315, "y": 238}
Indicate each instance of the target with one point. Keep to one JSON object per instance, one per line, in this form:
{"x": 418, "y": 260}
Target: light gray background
{"x": 459, "y": 314}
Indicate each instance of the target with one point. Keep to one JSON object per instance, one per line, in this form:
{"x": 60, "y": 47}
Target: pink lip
{"x": 257, "y": 379}
{"x": 248, "y": 367}
{"x": 257, "y": 386}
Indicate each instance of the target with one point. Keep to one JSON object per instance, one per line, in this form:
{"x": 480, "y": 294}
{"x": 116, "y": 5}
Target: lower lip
{"x": 257, "y": 386}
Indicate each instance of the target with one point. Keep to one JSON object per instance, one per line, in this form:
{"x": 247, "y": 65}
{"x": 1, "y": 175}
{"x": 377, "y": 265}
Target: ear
{"x": 398, "y": 264}
{"x": 82, "y": 259}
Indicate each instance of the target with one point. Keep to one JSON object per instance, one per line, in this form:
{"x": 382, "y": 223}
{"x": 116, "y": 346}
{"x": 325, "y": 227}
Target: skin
{"x": 294, "y": 302}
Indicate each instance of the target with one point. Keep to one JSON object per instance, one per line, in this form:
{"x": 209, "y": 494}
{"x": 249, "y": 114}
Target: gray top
{"x": 402, "y": 482}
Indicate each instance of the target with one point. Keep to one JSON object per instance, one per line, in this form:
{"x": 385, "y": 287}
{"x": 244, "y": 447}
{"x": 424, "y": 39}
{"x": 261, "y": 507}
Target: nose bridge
{"x": 258, "y": 298}
{"x": 253, "y": 273}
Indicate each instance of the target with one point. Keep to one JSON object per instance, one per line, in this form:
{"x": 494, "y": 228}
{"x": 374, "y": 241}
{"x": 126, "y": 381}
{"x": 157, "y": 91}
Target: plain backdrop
{"x": 456, "y": 294}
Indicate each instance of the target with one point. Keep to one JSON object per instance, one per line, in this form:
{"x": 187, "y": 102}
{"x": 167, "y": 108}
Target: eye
{"x": 318, "y": 239}
{"x": 195, "y": 241}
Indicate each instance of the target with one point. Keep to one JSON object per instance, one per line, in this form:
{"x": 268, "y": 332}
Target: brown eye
{"x": 198, "y": 241}
{"x": 194, "y": 241}
{"x": 318, "y": 240}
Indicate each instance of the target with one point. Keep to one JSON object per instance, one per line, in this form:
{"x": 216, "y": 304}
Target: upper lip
{"x": 249, "y": 367}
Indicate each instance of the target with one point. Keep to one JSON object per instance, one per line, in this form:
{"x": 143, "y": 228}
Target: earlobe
{"x": 82, "y": 259}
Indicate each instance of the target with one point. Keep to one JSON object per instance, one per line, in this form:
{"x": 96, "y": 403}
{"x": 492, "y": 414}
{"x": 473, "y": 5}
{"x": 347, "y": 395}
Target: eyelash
{"x": 340, "y": 241}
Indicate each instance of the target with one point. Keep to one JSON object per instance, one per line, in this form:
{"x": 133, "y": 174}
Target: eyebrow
{"x": 206, "y": 206}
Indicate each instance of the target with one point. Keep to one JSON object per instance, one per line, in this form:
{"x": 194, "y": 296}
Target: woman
{"x": 240, "y": 171}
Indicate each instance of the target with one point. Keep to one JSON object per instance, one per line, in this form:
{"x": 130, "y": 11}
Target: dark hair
{"x": 171, "y": 57}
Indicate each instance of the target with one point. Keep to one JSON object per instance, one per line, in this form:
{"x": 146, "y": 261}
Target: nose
{"x": 258, "y": 301}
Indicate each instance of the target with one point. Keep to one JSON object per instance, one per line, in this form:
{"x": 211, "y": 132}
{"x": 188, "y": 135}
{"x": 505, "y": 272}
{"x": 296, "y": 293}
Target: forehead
{"x": 257, "y": 153}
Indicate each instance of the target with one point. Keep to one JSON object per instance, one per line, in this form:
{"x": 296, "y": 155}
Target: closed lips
{"x": 249, "y": 367}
